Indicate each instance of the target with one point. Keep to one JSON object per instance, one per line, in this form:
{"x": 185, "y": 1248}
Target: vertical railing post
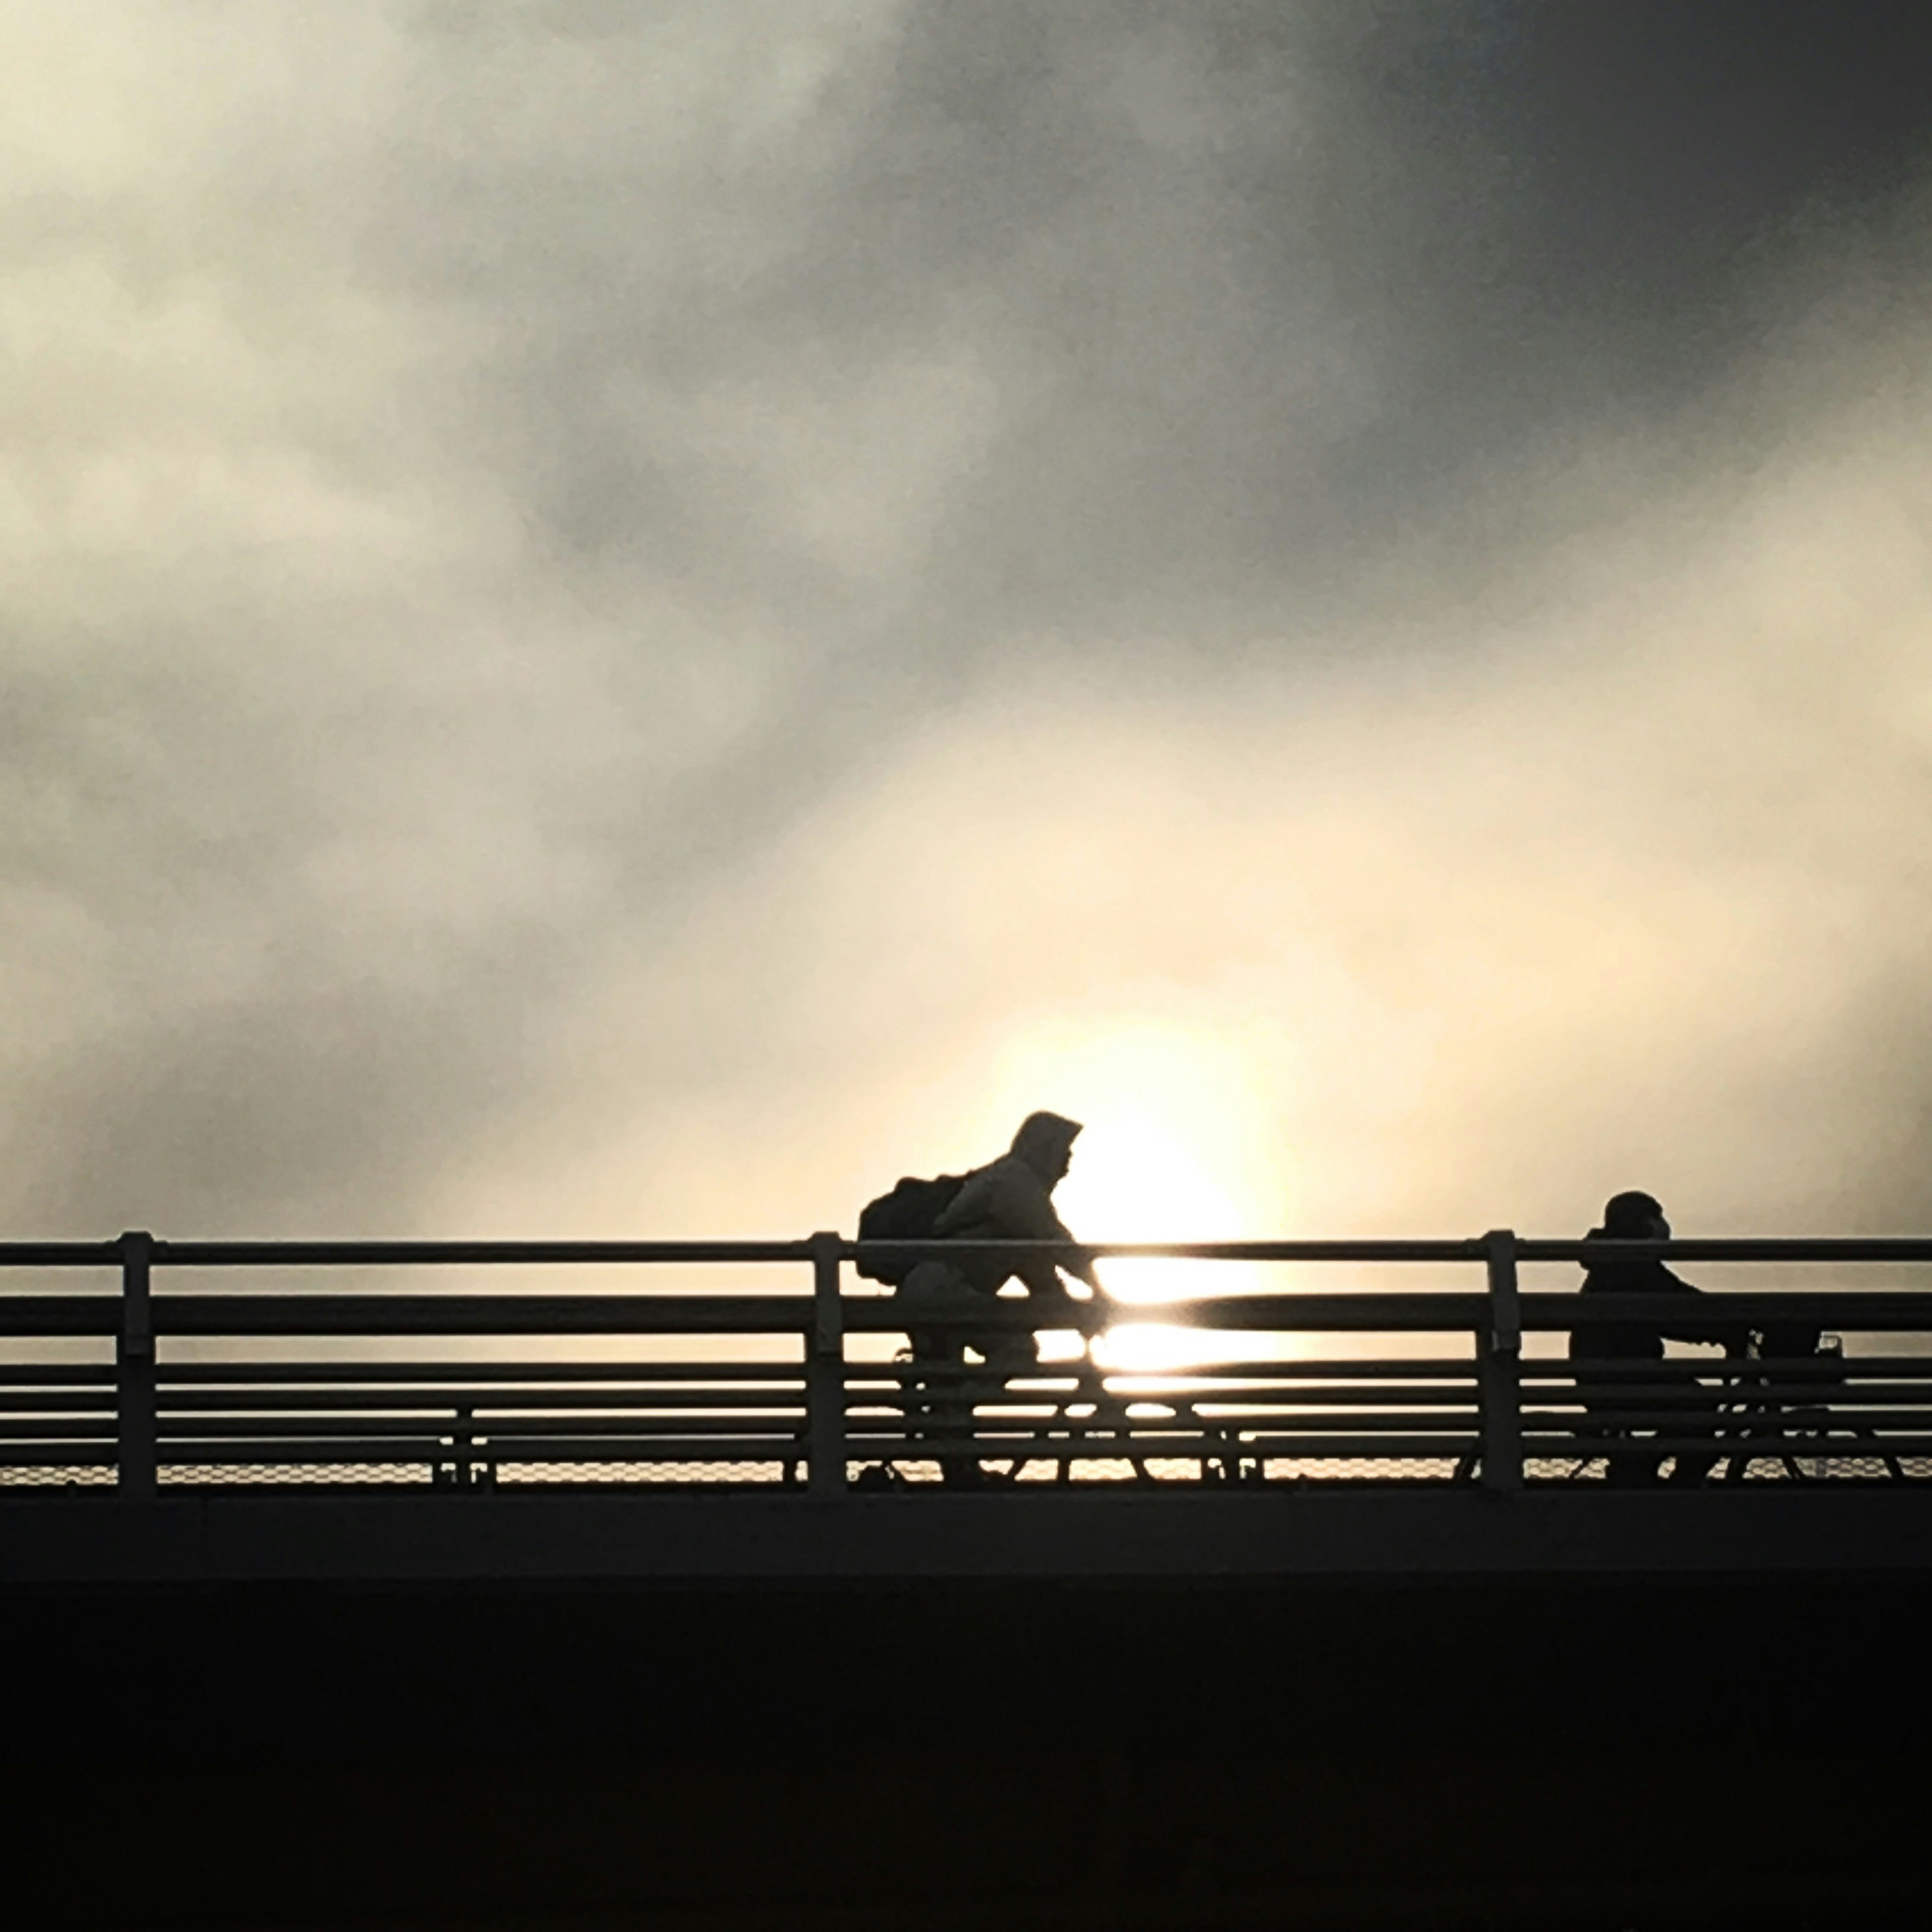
{"x": 135, "y": 1404}
{"x": 462, "y": 1442}
{"x": 1498, "y": 1367}
{"x": 825, "y": 1371}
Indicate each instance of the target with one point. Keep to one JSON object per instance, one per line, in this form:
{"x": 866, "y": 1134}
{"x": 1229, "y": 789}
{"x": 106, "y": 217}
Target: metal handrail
{"x": 528, "y": 1253}
{"x": 822, "y": 1312}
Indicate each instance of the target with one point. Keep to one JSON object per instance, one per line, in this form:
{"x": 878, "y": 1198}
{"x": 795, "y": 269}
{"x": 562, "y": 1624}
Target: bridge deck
{"x": 1333, "y": 1531}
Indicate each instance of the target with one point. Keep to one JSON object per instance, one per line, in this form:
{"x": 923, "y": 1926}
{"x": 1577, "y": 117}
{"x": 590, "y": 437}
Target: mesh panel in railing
{"x": 705, "y": 1475}
{"x": 310, "y": 1475}
{"x": 57, "y": 1475}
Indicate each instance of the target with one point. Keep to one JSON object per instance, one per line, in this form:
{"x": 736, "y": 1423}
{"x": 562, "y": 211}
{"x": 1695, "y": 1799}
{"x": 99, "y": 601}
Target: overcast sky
{"x": 634, "y": 619}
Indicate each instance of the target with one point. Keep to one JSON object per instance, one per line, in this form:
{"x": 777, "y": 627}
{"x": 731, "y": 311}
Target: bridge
{"x": 556, "y": 1578}
{"x": 150, "y": 1389}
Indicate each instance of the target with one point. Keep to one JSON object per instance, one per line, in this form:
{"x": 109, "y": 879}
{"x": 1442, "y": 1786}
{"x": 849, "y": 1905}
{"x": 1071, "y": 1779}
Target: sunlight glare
{"x": 1132, "y": 1180}
{"x": 1175, "y": 1149}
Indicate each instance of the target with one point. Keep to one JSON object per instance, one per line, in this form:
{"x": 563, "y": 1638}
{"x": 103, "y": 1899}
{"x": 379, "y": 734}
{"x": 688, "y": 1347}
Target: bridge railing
{"x": 126, "y": 1380}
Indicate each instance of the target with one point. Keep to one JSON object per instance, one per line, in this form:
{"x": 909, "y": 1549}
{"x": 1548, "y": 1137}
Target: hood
{"x": 1045, "y": 1141}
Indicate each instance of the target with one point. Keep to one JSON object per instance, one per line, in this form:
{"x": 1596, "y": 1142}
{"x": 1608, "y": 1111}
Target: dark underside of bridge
{"x": 1400, "y": 1707}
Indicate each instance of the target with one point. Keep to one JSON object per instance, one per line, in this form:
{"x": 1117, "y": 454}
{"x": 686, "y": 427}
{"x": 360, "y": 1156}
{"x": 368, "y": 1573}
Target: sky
{"x": 624, "y": 621}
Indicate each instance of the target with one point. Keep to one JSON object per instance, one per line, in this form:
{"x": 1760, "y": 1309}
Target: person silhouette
{"x": 1608, "y": 1398}
{"x": 1010, "y": 1199}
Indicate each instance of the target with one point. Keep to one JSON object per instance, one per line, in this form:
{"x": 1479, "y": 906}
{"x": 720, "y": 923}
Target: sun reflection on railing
{"x": 1146, "y": 1347}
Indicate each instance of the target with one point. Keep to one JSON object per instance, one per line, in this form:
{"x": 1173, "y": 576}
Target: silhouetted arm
{"x": 1693, "y": 1325}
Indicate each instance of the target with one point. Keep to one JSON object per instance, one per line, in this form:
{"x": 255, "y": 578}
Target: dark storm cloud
{"x": 480, "y": 479}
{"x": 1255, "y": 283}
{"x": 1270, "y": 283}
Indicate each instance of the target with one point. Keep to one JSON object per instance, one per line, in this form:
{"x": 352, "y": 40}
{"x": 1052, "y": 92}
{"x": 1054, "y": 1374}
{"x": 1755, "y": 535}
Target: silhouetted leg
{"x": 944, "y": 1401}
{"x": 937, "y": 1410}
{"x": 1006, "y": 1355}
{"x": 1702, "y": 1419}
{"x": 1624, "y": 1466}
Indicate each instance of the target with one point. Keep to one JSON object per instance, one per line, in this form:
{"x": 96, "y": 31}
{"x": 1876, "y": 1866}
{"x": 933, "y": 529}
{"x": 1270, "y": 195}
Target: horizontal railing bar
{"x": 1041, "y": 1380}
{"x": 289, "y": 1427}
{"x": 1713, "y": 1390}
{"x": 243, "y": 1455}
{"x": 1242, "y": 1427}
{"x": 1858, "y": 1249}
{"x": 1396, "y": 1397}
{"x": 1793, "y": 1442}
{"x": 1436, "y": 1312}
{"x": 59, "y": 1254}
{"x": 1812, "y": 1370}
{"x": 1152, "y": 1427}
{"x": 1844, "y": 1446}
{"x": 448, "y": 1314}
{"x": 1178, "y": 1448}
{"x": 57, "y": 1402}
{"x": 1793, "y": 1396}
{"x": 236, "y": 1315}
{"x": 950, "y": 1249}
{"x": 433, "y": 1374}
{"x": 432, "y": 1428}
{"x": 1284, "y": 1368}
{"x": 629, "y": 1449}
{"x": 1808, "y": 1421}
{"x": 479, "y": 1402}
{"x": 536, "y": 1253}
{"x": 1840, "y": 1309}
{"x": 1230, "y": 1425}
{"x": 1265, "y": 1374}
{"x": 1219, "y": 1430}
{"x": 458, "y": 1315}
{"x": 1395, "y": 1400}
{"x": 387, "y": 1312}
{"x": 284, "y": 1452}
{"x": 502, "y": 1445}
{"x": 1836, "y": 1395}
{"x": 62, "y": 1315}
{"x": 540, "y": 1253}
{"x": 1439, "y": 1311}
{"x": 1706, "y": 1418}
{"x": 466, "y": 1254}
{"x": 1807, "y": 1373}
{"x": 1718, "y": 1454}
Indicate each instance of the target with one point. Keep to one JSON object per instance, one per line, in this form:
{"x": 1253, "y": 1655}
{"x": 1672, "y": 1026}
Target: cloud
{"x": 610, "y": 619}
{"x": 1613, "y": 879}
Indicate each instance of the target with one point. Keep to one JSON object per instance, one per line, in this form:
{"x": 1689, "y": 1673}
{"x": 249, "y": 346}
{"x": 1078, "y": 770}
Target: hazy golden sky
{"x": 634, "y": 620}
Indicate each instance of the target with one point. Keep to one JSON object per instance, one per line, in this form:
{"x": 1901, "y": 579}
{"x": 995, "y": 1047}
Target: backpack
{"x": 910, "y": 1213}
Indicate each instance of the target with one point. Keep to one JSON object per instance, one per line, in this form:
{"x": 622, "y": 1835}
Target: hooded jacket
{"x": 1011, "y": 1199}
